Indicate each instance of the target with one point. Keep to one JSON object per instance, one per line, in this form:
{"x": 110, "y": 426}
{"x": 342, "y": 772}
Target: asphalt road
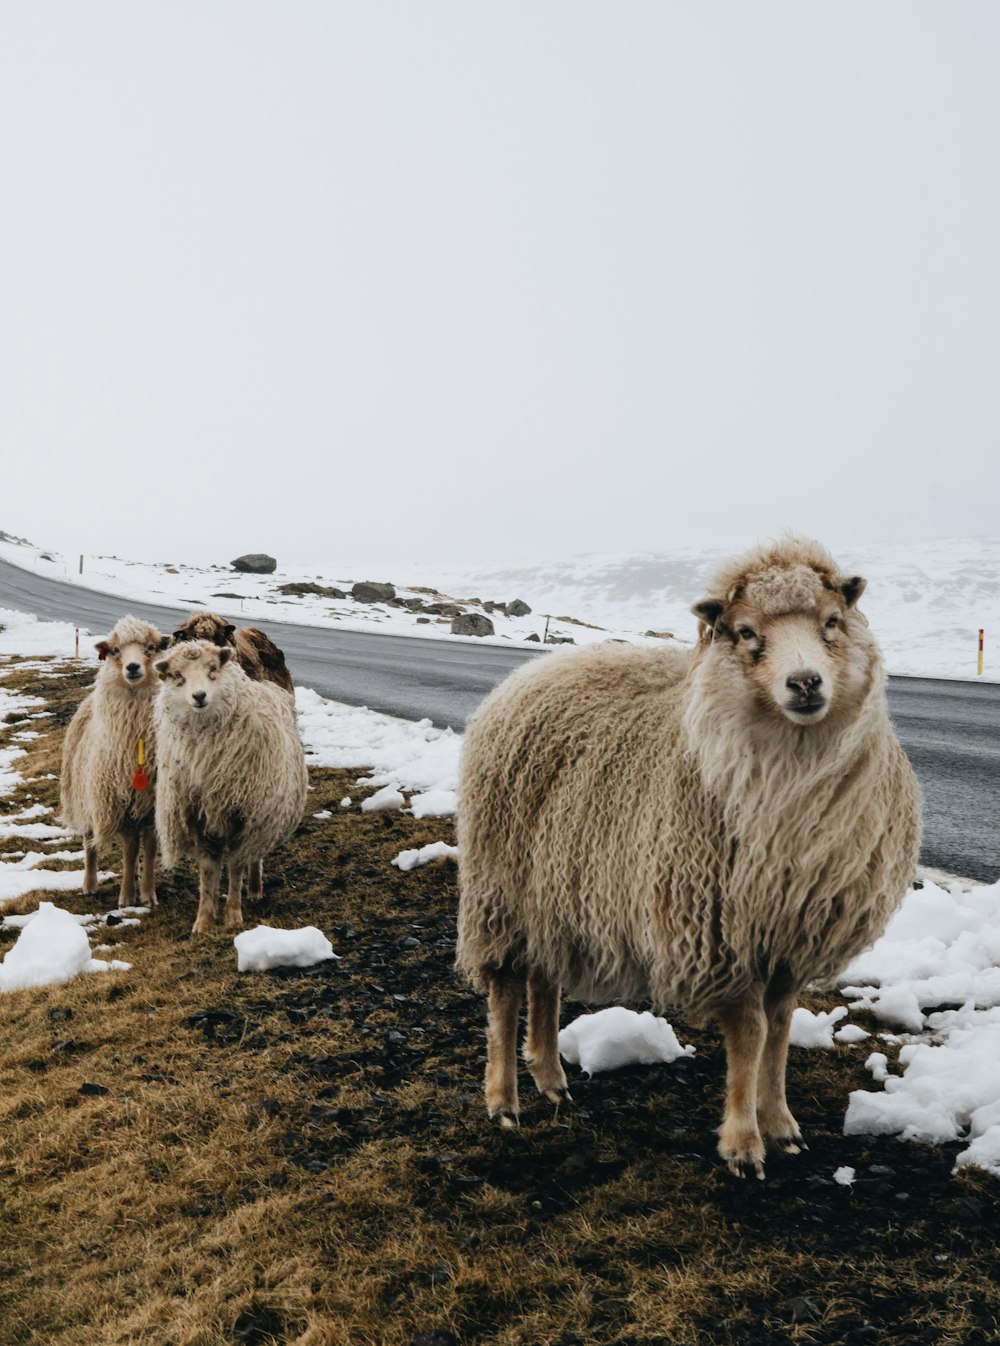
{"x": 950, "y": 730}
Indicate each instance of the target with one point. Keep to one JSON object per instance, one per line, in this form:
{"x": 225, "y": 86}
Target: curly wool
{"x": 259, "y": 657}
{"x": 100, "y": 749}
{"x": 233, "y": 775}
{"x": 631, "y": 822}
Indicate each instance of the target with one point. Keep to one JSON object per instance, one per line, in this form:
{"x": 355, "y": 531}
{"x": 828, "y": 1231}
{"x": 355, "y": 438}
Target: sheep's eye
{"x": 746, "y": 633}
{"x": 150, "y": 648}
{"x": 116, "y": 653}
{"x": 832, "y": 622}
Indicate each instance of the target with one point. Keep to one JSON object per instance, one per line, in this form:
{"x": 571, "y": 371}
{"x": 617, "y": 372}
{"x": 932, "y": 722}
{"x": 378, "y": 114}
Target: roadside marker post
{"x": 78, "y": 642}
{"x": 982, "y": 634}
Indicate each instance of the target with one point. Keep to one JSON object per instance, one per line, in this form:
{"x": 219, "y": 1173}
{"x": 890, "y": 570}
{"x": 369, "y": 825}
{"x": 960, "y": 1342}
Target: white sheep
{"x": 709, "y": 829}
{"x": 233, "y": 777}
{"x": 106, "y": 791}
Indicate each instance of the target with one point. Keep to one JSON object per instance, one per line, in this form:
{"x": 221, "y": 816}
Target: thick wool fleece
{"x": 259, "y": 657}
{"x": 633, "y": 823}
{"x": 100, "y": 750}
{"x": 232, "y": 777}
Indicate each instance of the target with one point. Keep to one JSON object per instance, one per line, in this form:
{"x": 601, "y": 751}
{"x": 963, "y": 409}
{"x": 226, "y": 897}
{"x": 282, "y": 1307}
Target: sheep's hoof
{"x": 203, "y": 928}
{"x": 558, "y": 1096}
{"x": 506, "y": 1119}
{"x": 746, "y": 1168}
{"x": 789, "y": 1144}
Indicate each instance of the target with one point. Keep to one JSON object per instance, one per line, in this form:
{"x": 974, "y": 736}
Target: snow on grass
{"x": 52, "y": 948}
{"x": 423, "y": 855}
{"x": 264, "y": 947}
{"x": 618, "y": 1037}
{"x": 932, "y": 980}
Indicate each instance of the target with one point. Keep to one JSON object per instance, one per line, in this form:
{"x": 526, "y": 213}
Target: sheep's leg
{"x": 233, "y": 919}
{"x": 209, "y": 872}
{"x": 506, "y": 990}
{"x": 541, "y": 1044}
{"x": 130, "y": 854}
{"x": 255, "y": 881}
{"x": 777, "y": 1124}
{"x": 89, "y": 865}
{"x": 744, "y": 1026}
{"x": 147, "y": 874}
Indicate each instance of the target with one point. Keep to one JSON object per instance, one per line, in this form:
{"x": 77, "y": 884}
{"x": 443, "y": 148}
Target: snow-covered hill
{"x": 926, "y": 602}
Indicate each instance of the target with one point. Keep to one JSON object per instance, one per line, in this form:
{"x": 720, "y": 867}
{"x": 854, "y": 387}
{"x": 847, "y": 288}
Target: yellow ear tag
{"x": 140, "y": 781}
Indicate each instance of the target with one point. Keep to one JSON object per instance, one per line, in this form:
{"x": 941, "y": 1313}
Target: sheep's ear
{"x": 179, "y": 636}
{"x": 709, "y": 610}
{"x": 225, "y": 654}
{"x": 103, "y": 650}
{"x": 228, "y": 632}
{"x": 852, "y": 589}
{"x": 162, "y": 667}
{"x": 165, "y": 642}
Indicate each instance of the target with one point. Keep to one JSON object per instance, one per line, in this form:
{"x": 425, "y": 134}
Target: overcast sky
{"x": 468, "y": 280}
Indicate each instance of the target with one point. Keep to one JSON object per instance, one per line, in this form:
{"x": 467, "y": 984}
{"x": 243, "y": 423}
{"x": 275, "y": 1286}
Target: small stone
{"x": 803, "y": 1310}
{"x": 93, "y": 1090}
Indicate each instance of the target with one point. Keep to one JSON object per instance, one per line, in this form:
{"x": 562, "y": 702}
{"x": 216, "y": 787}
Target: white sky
{"x": 464, "y": 280}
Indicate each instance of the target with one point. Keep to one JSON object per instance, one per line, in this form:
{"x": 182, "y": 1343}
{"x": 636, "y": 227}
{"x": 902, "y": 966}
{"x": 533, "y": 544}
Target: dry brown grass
{"x": 303, "y": 1159}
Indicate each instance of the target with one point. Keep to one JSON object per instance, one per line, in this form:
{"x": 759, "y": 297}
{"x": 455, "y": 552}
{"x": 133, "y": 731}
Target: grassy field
{"x": 191, "y": 1157}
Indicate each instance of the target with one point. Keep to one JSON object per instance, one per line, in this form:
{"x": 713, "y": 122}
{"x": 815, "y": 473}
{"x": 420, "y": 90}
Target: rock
{"x": 471, "y": 624}
{"x": 368, "y": 591}
{"x": 661, "y": 635}
{"x": 255, "y": 563}
{"x": 423, "y": 621}
{"x": 803, "y": 1310}
{"x": 518, "y": 608}
{"x": 534, "y": 636}
{"x": 559, "y": 640}
{"x": 93, "y": 1090}
{"x": 320, "y": 590}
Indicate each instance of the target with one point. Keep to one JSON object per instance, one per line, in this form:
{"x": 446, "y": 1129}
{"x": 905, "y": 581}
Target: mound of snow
{"x": 618, "y": 1037}
{"x": 263, "y": 948}
{"x": 423, "y": 855}
{"x": 53, "y": 947}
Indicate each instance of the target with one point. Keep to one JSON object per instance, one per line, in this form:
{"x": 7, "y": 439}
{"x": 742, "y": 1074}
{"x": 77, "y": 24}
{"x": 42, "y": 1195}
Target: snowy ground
{"x": 932, "y": 981}
{"x": 926, "y": 602}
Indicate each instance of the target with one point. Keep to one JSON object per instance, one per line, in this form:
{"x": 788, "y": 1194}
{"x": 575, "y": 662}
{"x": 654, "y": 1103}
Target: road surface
{"x": 950, "y": 730}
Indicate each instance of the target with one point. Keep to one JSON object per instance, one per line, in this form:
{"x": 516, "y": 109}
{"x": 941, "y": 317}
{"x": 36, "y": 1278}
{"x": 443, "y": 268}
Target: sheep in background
{"x": 102, "y": 794}
{"x": 257, "y": 653}
{"x": 232, "y": 772}
{"x": 711, "y": 829}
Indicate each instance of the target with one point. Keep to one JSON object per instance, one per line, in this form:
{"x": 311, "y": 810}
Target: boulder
{"x": 518, "y": 608}
{"x": 255, "y": 563}
{"x": 320, "y": 590}
{"x": 368, "y": 591}
{"x": 471, "y": 624}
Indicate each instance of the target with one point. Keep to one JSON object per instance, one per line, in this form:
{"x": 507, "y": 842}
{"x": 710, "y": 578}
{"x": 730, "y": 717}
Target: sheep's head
{"x": 787, "y": 618}
{"x": 130, "y": 649}
{"x": 205, "y": 626}
{"x": 192, "y": 672}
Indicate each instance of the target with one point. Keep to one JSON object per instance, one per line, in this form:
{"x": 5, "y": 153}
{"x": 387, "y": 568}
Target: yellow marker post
{"x": 982, "y": 634}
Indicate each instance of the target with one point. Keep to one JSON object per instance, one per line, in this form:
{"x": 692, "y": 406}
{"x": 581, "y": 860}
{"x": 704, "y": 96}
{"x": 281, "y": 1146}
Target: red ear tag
{"x": 140, "y": 781}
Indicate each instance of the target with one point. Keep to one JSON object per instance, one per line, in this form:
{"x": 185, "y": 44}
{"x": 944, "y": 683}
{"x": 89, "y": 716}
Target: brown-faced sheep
{"x": 711, "y": 829}
{"x": 259, "y": 657}
{"x": 101, "y": 759}
{"x": 232, "y": 773}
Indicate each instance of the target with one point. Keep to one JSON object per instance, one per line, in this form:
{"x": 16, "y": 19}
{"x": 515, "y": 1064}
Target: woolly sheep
{"x": 259, "y": 657}
{"x": 233, "y": 776}
{"x": 100, "y": 759}
{"x": 709, "y": 829}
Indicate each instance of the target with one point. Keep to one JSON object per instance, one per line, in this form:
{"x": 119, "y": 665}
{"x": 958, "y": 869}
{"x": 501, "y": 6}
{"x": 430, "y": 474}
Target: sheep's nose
{"x": 133, "y": 669}
{"x": 199, "y": 698}
{"x": 804, "y": 683}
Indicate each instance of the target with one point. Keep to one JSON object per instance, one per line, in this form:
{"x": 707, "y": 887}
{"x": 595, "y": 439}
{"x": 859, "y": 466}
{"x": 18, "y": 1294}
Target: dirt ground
{"x": 190, "y": 1156}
